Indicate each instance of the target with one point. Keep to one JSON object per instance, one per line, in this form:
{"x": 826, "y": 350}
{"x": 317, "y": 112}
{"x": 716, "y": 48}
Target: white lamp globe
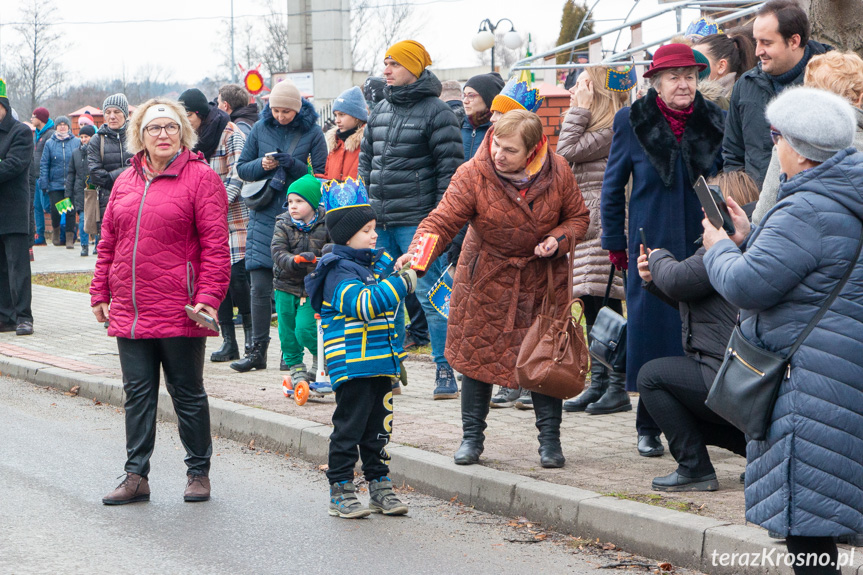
{"x": 483, "y": 41}
{"x": 512, "y": 40}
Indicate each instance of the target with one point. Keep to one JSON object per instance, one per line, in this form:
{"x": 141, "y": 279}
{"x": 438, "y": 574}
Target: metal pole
{"x": 492, "y": 56}
{"x": 233, "y": 63}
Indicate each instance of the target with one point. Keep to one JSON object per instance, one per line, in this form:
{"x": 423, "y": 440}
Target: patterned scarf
{"x": 676, "y": 118}
{"x": 303, "y": 226}
{"x": 477, "y": 120}
{"x": 149, "y": 171}
{"x": 523, "y": 179}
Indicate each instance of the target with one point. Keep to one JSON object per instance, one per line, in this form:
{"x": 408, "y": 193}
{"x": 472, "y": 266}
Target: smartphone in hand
{"x": 643, "y": 238}
{"x": 202, "y": 318}
{"x": 714, "y": 205}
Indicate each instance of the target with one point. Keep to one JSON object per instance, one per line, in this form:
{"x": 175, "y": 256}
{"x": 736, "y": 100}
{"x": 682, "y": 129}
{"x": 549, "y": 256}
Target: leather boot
{"x": 475, "y": 397}
{"x": 615, "y": 398}
{"x": 598, "y": 385}
{"x": 229, "y": 350}
{"x": 197, "y": 488}
{"x": 132, "y": 489}
{"x": 255, "y": 359}
{"x": 70, "y": 240}
{"x": 548, "y": 415}
{"x": 247, "y": 331}
{"x": 55, "y": 237}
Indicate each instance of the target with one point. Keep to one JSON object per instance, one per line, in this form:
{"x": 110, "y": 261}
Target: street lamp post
{"x": 485, "y": 38}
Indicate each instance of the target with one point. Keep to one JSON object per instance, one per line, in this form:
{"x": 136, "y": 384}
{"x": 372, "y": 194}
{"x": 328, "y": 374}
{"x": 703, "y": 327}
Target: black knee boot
{"x": 475, "y": 397}
{"x": 615, "y": 398}
{"x": 229, "y": 350}
{"x": 598, "y": 385}
{"x": 256, "y": 358}
{"x": 247, "y": 331}
{"x": 548, "y": 415}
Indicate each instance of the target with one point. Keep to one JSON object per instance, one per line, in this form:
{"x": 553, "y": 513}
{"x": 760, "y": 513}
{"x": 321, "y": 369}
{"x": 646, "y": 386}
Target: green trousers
{"x": 298, "y": 328}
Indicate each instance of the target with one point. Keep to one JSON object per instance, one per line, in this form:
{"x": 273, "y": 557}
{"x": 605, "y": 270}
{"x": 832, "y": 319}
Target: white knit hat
{"x": 815, "y": 123}
{"x": 286, "y": 95}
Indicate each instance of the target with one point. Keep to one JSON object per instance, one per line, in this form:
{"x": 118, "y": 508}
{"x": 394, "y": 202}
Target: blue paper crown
{"x": 344, "y": 194}
{"x": 528, "y": 98}
{"x": 702, "y": 28}
{"x": 621, "y": 81}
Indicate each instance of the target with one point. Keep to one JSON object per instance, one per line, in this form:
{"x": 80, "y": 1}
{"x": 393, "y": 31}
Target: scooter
{"x": 317, "y": 389}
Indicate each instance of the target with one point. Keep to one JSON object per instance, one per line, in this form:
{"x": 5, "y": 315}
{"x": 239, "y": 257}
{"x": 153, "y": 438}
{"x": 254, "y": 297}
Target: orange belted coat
{"x": 499, "y": 283}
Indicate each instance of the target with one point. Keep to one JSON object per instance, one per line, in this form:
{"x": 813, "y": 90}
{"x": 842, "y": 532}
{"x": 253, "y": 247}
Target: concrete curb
{"x": 683, "y": 539}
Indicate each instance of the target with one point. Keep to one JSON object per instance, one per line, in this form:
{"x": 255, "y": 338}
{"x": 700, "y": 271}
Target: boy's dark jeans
{"x": 363, "y": 418}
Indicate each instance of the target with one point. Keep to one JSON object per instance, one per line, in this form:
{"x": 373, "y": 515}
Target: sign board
{"x": 304, "y": 81}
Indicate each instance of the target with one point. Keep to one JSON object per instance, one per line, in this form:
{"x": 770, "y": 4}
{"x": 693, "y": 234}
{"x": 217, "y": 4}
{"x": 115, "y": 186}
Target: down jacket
{"x": 499, "y": 283}
{"x": 344, "y": 157}
{"x": 806, "y": 477}
{"x": 411, "y": 149}
{"x": 289, "y": 241}
{"x": 107, "y": 158}
{"x": 164, "y": 245}
{"x": 56, "y": 157}
{"x": 16, "y": 156}
{"x": 587, "y": 153}
{"x": 267, "y": 136}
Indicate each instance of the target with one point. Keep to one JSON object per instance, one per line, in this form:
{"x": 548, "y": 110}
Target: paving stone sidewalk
{"x": 600, "y": 450}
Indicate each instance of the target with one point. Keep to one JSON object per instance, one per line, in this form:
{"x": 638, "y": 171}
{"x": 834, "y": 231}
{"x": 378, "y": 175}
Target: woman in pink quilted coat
{"x": 164, "y": 245}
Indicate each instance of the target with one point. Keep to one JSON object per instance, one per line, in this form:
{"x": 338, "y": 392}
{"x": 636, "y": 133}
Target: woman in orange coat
{"x": 344, "y": 140}
{"x": 524, "y": 206}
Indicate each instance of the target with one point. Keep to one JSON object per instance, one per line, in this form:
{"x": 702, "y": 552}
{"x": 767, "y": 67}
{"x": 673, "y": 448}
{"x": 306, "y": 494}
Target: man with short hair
{"x": 783, "y": 47}
{"x": 41, "y": 120}
{"x": 451, "y": 94}
{"x": 243, "y": 111}
{"x": 411, "y": 148}
{"x": 16, "y": 156}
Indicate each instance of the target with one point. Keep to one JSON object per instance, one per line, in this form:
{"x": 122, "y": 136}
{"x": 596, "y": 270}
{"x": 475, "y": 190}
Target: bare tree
{"x": 35, "y": 65}
{"x": 274, "y": 52}
{"x": 375, "y": 27}
{"x": 246, "y": 49}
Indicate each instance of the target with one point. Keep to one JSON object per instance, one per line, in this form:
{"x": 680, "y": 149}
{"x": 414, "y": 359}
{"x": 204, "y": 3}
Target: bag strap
{"x": 826, "y": 305}
{"x": 610, "y": 283}
{"x": 294, "y": 142}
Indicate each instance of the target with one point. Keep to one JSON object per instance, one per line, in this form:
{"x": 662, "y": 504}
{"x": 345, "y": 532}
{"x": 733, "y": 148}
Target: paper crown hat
{"x": 702, "y": 28}
{"x": 3, "y": 88}
{"x": 621, "y": 81}
{"x": 517, "y": 96}
{"x": 345, "y": 194}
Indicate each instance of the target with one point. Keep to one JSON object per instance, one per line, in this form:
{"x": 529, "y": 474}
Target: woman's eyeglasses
{"x": 775, "y": 135}
{"x": 469, "y": 97}
{"x": 170, "y": 129}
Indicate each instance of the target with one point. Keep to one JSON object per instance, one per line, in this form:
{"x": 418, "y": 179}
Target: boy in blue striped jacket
{"x": 357, "y": 309}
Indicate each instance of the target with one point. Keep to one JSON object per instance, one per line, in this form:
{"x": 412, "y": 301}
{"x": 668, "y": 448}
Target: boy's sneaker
{"x": 505, "y": 397}
{"x": 445, "y": 385}
{"x": 313, "y": 371}
{"x": 344, "y": 502}
{"x": 383, "y": 499}
{"x": 298, "y": 374}
{"x": 524, "y": 401}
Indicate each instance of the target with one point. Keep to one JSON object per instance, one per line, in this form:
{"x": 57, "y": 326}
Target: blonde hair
{"x": 837, "y": 72}
{"x": 737, "y": 185}
{"x": 522, "y": 123}
{"x": 606, "y": 103}
{"x": 134, "y": 137}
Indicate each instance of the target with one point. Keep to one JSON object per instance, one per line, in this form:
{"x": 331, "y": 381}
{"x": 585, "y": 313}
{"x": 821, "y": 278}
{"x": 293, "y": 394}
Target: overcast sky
{"x": 105, "y": 37}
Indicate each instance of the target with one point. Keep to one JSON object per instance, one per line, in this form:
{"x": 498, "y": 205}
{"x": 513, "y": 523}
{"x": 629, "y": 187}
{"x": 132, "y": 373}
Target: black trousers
{"x": 363, "y": 419}
{"x": 15, "y": 289}
{"x": 812, "y": 548}
{"x": 419, "y": 327}
{"x": 262, "y": 303}
{"x": 239, "y": 294}
{"x": 673, "y": 390}
{"x": 57, "y": 196}
{"x": 182, "y": 359}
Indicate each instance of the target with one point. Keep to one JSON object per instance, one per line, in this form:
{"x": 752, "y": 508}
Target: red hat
{"x": 42, "y": 114}
{"x": 673, "y": 56}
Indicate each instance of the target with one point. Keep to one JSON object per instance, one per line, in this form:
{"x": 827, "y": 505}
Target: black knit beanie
{"x": 87, "y": 130}
{"x": 487, "y": 86}
{"x": 194, "y": 100}
{"x": 343, "y": 223}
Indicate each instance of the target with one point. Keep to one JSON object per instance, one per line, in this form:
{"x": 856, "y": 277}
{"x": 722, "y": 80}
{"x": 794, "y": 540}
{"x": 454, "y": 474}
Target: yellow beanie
{"x": 410, "y": 54}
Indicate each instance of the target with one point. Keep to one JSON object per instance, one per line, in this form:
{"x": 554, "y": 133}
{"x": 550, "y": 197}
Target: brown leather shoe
{"x": 132, "y": 489}
{"x": 197, "y": 488}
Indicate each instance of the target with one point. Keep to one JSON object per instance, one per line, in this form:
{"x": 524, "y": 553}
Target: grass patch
{"x": 658, "y": 501}
{"x": 77, "y": 282}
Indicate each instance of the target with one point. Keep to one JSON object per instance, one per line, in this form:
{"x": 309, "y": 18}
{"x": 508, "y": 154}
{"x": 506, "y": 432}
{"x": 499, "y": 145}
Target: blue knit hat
{"x": 352, "y": 103}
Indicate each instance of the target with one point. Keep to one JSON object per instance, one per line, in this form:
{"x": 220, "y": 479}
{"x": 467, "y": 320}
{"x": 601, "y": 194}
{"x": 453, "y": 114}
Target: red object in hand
{"x": 619, "y": 259}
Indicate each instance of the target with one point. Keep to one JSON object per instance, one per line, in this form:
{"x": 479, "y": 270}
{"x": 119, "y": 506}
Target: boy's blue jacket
{"x": 357, "y": 313}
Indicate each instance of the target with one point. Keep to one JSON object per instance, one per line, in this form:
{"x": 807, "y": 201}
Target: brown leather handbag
{"x": 553, "y": 359}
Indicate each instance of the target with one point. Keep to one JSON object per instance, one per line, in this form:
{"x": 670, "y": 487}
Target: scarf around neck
{"x": 676, "y": 118}
{"x": 303, "y": 226}
{"x": 477, "y": 120}
{"x": 148, "y": 169}
{"x": 783, "y": 80}
{"x": 524, "y": 178}
{"x": 210, "y": 132}
{"x": 346, "y": 134}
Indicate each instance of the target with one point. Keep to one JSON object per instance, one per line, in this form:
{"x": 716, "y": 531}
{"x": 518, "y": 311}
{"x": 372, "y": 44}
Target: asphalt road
{"x": 60, "y": 454}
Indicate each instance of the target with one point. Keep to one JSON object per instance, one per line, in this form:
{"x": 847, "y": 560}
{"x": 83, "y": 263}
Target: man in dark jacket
{"x": 107, "y": 155}
{"x": 16, "y": 156}
{"x": 234, "y": 100}
{"x": 411, "y": 149}
{"x": 41, "y": 120}
{"x": 78, "y": 180}
{"x": 783, "y": 47}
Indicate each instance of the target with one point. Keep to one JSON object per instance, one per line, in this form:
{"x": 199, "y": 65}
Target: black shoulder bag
{"x": 608, "y": 335}
{"x": 748, "y": 381}
{"x": 257, "y": 195}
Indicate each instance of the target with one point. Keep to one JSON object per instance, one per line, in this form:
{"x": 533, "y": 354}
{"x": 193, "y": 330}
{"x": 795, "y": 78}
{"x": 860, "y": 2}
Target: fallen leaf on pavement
{"x": 666, "y": 567}
{"x": 75, "y": 390}
{"x": 252, "y": 444}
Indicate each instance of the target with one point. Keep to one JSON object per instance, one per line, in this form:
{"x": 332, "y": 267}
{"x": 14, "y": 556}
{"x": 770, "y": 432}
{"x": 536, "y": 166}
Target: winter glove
{"x": 619, "y": 259}
{"x": 409, "y": 276}
{"x": 306, "y": 259}
{"x": 285, "y": 160}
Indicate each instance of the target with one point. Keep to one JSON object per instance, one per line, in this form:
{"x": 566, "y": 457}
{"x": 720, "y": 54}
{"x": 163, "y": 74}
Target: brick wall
{"x": 552, "y": 111}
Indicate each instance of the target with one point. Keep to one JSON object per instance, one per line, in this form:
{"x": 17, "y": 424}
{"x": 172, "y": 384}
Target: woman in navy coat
{"x": 664, "y": 142}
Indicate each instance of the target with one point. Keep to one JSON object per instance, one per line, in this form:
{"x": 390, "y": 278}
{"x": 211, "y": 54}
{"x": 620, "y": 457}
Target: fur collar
{"x": 698, "y": 147}
{"x": 352, "y": 143}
